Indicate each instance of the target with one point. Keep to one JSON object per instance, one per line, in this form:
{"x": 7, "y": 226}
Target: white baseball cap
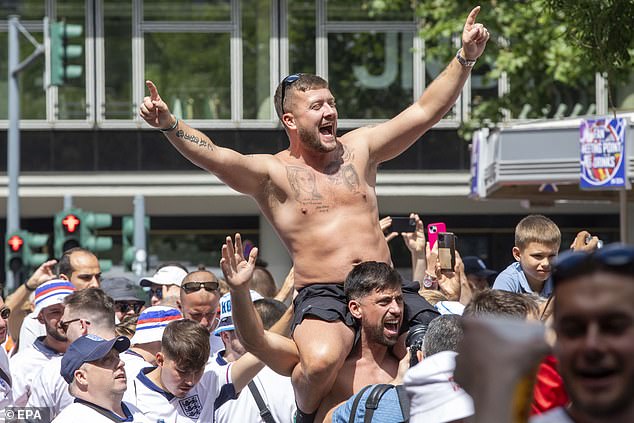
{"x": 168, "y": 275}
{"x": 434, "y": 396}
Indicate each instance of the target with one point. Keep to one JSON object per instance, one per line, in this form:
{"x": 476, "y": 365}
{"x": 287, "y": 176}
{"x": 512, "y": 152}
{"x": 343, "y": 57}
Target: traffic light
{"x": 20, "y": 256}
{"x": 127, "y": 233}
{"x": 77, "y": 228}
{"x": 62, "y": 53}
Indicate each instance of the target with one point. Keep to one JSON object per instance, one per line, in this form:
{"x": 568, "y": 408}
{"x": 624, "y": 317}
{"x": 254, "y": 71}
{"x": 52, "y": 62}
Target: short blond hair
{"x": 537, "y": 228}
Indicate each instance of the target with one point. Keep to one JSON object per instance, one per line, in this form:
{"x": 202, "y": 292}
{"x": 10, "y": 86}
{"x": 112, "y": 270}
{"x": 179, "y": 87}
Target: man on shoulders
{"x": 310, "y": 190}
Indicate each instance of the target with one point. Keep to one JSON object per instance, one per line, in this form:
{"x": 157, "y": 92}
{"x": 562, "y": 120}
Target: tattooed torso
{"x": 327, "y": 217}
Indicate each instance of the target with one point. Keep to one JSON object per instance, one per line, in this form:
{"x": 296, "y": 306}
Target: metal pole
{"x": 140, "y": 248}
{"x": 68, "y": 202}
{"x": 623, "y": 215}
{"x": 13, "y": 144}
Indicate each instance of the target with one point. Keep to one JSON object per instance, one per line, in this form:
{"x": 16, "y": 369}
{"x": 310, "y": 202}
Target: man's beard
{"x": 376, "y": 335}
{"x": 53, "y": 333}
{"x": 311, "y": 140}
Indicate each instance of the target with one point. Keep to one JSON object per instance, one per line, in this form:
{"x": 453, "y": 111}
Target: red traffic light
{"x": 16, "y": 243}
{"x": 71, "y": 223}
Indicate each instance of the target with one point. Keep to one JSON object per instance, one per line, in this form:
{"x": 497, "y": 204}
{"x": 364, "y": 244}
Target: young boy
{"x": 537, "y": 241}
{"x": 180, "y": 388}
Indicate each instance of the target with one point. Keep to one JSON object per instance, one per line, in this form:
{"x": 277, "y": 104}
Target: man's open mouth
{"x": 326, "y": 129}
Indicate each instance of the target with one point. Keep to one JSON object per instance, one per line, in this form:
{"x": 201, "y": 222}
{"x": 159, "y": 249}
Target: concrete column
{"x": 273, "y": 252}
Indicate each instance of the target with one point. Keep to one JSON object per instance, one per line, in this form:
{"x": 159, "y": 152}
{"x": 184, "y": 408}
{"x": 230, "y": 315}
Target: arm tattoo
{"x": 195, "y": 140}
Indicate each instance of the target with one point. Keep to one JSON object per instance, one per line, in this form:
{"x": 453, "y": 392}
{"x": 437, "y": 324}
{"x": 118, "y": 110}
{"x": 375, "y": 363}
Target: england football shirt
{"x": 81, "y": 410}
{"x": 198, "y": 405}
{"x": 26, "y": 364}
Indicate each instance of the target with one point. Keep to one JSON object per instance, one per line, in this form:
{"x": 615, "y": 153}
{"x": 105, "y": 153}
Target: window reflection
{"x": 374, "y": 66}
{"x": 196, "y": 86}
{"x": 187, "y": 10}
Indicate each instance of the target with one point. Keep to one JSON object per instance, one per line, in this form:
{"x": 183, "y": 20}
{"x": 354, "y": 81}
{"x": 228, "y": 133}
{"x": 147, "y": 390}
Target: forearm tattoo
{"x": 195, "y": 140}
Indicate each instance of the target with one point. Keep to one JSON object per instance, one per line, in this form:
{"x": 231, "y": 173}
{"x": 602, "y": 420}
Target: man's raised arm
{"x": 244, "y": 173}
{"x": 276, "y": 351}
{"x": 391, "y": 138}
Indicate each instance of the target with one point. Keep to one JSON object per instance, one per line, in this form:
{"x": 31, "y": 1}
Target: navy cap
{"x": 89, "y": 348}
{"x": 474, "y": 265}
{"x": 121, "y": 289}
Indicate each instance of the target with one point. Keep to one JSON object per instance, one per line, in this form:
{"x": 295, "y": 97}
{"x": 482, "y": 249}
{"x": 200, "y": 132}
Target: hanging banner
{"x": 602, "y": 143}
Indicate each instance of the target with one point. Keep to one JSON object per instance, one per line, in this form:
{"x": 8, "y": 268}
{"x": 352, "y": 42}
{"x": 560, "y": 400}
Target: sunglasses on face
{"x": 124, "y": 307}
{"x": 157, "y": 292}
{"x": 287, "y": 82}
{"x": 190, "y": 287}
{"x": 616, "y": 258}
{"x": 65, "y": 324}
{"x": 5, "y": 312}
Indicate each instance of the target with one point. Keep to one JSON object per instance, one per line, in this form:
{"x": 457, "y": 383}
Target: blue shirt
{"x": 388, "y": 411}
{"x": 513, "y": 279}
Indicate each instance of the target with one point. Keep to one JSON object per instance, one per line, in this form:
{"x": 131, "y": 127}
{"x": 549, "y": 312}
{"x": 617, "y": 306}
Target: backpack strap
{"x": 265, "y": 413}
{"x": 355, "y": 403}
{"x": 372, "y": 402}
{"x": 403, "y": 400}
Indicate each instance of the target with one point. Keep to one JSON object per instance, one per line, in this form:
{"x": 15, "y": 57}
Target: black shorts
{"x": 327, "y": 301}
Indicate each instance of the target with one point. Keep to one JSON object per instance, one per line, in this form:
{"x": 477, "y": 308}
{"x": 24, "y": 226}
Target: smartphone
{"x": 403, "y": 224}
{"x": 447, "y": 250}
{"x": 433, "y": 229}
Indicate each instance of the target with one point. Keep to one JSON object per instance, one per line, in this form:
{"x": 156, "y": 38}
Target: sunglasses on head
{"x": 125, "y": 307}
{"x": 190, "y": 287}
{"x": 287, "y": 82}
{"x": 5, "y": 312}
{"x": 617, "y": 258}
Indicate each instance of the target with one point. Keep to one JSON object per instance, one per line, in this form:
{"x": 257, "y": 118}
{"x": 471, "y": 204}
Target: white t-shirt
{"x": 134, "y": 362}
{"x": 197, "y": 406}
{"x": 49, "y": 389}
{"x": 26, "y": 364}
{"x": 276, "y": 392}
{"x": 556, "y": 415}
{"x": 215, "y": 345}
{"x": 30, "y": 330}
{"x": 6, "y": 394}
{"x": 80, "y": 411}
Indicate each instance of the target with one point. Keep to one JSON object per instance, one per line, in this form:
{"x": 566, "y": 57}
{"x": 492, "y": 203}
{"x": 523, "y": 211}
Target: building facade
{"x": 217, "y": 64}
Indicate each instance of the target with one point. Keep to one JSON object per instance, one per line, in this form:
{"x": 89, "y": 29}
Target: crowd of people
{"x": 345, "y": 338}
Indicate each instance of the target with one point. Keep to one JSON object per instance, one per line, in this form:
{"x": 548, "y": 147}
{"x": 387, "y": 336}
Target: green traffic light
{"x": 61, "y": 52}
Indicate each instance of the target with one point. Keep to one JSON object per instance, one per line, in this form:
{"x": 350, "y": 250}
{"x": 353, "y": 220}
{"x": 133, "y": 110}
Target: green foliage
{"x": 549, "y": 50}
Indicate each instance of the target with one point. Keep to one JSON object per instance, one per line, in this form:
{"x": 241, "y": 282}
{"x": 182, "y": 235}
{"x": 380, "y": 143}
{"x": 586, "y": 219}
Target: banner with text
{"x": 602, "y": 143}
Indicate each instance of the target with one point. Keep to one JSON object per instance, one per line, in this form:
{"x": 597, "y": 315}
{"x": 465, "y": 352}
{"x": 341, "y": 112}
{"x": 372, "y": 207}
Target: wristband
{"x": 464, "y": 61}
{"x": 171, "y": 128}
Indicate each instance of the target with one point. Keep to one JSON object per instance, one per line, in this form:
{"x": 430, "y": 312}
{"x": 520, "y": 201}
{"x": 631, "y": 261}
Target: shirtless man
{"x": 321, "y": 189}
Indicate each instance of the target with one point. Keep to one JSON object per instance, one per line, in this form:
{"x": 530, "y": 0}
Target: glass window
{"x": 359, "y": 10}
{"x": 195, "y": 86}
{"x": 187, "y": 10}
{"x": 118, "y": 63}
{"x": 256, "y": 56}
{"x": 30, "y": 80}
{"x": 25, "y": 9}
{"x": 301, "y": 36}
{"x": 375, "y": 66}
{"x": 562, "y": 101}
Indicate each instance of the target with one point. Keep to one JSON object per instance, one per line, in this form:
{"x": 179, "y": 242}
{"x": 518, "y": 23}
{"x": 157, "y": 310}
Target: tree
{"x": 548, "y": 51}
